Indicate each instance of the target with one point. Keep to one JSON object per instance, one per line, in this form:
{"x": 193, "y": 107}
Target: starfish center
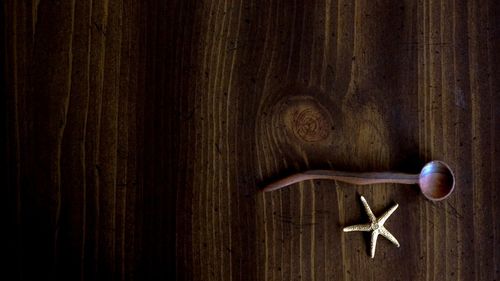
{"x": 375, "y": 226}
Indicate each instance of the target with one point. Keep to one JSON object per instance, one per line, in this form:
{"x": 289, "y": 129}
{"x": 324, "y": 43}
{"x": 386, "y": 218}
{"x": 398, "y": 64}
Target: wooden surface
{"x": 139, "y": 133}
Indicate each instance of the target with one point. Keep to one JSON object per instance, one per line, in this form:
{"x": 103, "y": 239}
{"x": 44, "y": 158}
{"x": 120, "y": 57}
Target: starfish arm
{"x": 387, "y": 214}
{"x": 368, "y": 210}
{"x": 384, "y": 232}
{"x": 358, "y": 227}
{"x": 373, "y": 243}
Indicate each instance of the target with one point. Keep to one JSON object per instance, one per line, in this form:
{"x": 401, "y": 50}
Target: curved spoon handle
{"x": 348, "y": 177}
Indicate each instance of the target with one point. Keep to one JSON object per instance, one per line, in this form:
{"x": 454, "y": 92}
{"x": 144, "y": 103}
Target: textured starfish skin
{"x": 376, "y": 226}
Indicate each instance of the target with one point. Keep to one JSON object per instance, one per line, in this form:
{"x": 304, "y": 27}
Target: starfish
{"x": 376, "y": 226}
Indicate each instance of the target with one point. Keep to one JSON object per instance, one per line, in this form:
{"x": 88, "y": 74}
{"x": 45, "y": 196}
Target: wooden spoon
{"x": 436, "y": 180}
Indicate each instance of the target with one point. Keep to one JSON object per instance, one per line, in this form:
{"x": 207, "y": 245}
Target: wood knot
{"x": 298, "y": 125}
{"x": 307, "y": 119}
{"x": 310, "y": 125}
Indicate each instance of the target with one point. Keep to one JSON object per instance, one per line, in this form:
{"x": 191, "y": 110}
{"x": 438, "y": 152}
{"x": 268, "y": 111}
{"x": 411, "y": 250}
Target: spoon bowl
{"x": 436, "y": 180}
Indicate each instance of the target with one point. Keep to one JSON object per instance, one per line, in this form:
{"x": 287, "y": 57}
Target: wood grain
{"x": 140, "y": 132}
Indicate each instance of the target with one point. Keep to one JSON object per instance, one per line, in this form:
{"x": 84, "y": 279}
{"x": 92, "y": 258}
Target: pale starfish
{"x": 376, "y": 226}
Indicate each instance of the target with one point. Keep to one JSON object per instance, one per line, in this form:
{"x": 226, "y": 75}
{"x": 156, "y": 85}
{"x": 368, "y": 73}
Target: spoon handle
{"x": 348, "y": 177}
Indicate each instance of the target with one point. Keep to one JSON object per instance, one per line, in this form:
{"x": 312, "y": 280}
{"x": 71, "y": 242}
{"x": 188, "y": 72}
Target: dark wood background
{"x": 139, "y": 133}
